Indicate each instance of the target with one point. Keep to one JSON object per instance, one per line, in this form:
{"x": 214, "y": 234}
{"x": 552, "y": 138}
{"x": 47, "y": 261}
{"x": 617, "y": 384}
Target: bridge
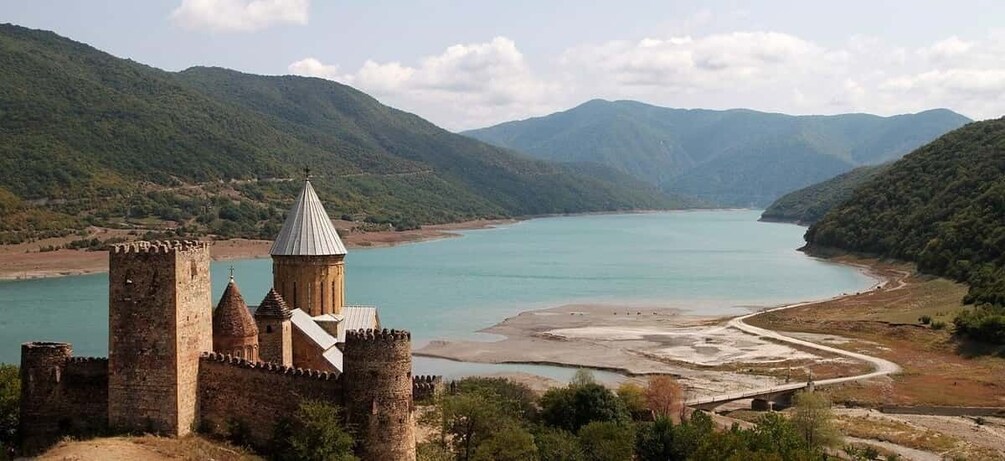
{"x": 781, "y": 394}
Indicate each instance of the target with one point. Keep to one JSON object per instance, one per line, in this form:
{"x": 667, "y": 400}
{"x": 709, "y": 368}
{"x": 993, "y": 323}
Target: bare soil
{"x": 150, "y": 448}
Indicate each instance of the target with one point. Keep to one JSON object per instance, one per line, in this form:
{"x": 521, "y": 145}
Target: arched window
{"x": 268, "y": 328}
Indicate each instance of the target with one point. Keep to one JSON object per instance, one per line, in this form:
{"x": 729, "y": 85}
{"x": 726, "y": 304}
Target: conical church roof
{"x": 308, "y": 230}
{"x": 231, "y": 318}
{"x": 273, "y": 306}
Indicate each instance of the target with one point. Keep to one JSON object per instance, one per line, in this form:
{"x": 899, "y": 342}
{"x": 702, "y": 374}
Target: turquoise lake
{"x": 708, "y": 262}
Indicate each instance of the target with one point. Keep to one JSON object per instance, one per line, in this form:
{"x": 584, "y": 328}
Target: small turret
{"x": 234, "y": 331}
{"x": 275, "y": 330}
{"x": 43, "y": 365}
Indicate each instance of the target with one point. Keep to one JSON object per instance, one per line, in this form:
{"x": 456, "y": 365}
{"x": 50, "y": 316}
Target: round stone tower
{"x": 378, "y": 392}
{"x": 308, "y": 256}
{"x": 42, "y": 367}
{"x": 234, "y": 331}
{"x": 275, "y": 330}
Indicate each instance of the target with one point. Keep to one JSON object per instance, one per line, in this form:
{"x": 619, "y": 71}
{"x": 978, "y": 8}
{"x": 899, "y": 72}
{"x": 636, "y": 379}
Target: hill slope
{"x": 809, "y": 204}
{"x": 942, "y": 206}
{"x": 88, "y": 138}
{"x": 735, "y": 157}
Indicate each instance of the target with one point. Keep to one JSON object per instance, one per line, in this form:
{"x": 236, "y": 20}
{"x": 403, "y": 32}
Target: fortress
{"x": 176, "y": 365}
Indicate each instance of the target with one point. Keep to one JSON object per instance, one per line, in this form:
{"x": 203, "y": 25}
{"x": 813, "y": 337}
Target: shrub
{"x": 315, "y": 433}
{"x": 10, "y": 400}
{"x": 938, "y": 325}
{"x": 925, "y": 319}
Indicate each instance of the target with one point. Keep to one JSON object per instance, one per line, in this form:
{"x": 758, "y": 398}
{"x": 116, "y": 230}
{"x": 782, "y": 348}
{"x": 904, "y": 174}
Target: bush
{"x": 10, "y": 400}
{"x": 925, "y": 319}
{"x": 573, "y": 407}
{"x": 938, "y": 325}
{"x": 315, "y": 433}
{"x": 607, "y": 441}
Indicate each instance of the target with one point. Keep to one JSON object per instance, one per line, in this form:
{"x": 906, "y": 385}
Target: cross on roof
{"x": 231, "y": 273}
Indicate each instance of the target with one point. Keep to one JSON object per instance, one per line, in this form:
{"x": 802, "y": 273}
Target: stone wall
{"x": 160, "y": 321}
{"x": 427, "y": 387}
{"x": 238, "y": 395}
{"x": 378, "y": 386}
{"x": 275, "y": 340}
{"x": 314, "y": 284}
{"x": 61, "y": 395}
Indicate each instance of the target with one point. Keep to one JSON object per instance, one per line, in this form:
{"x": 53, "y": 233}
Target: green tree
{"x": 633, "y": 396}
{"x": 315, "y": 433}
{"x": 515, "y": 399}
{"x": 607, "y": 441}
{"x": 432, "y": 451}
{"x": 10, "y": 400}
{"x": 557, "y": 445}
{"x": 814, "y": 419}
{"x": 509, "y": 442}
{"x": 573, "y": 407}
{"x": 657, "y": 441}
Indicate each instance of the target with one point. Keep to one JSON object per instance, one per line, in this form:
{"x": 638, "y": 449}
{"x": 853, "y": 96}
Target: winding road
{"x": 881, "y": 367}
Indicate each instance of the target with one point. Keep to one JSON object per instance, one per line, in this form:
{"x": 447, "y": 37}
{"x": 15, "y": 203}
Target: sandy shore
{"x": 25, "y": 261}
{"x": 702, "y": 351}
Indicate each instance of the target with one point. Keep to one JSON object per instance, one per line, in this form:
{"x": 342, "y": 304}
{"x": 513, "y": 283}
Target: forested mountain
{"x": 942, "y": 206}
{"x": 809, "y": 204}
{"x": 88, "y": 138}
{"x": 733, "y": 157}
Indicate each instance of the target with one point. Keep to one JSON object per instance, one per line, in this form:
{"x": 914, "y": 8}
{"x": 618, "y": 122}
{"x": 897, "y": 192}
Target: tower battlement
{"x": 383, "y": 335}
{"x": 159, "y": 246}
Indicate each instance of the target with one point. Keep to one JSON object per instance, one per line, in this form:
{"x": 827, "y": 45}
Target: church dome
{"x": 232, "y": 319}
{"x": 308, "y": 231}
{"x": 273, "y": 307}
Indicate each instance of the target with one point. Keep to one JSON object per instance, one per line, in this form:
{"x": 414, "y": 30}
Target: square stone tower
{"x": 159, "y": 322}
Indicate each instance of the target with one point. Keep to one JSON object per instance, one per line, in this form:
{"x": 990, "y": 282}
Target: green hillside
{"x": 809, "y": 204}
{"x": 87, "y": 138}
{"x": 733, "y": 157}
{"x": 942, "y": 206}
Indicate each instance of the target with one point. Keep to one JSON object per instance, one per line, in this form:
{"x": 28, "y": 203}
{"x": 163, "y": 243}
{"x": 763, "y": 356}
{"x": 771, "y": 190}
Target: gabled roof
{"x": 232, "y": 318}
{"x": 308, "y": 231}
{"x": 303, "y": 322}
{"x": 273, "y": 306}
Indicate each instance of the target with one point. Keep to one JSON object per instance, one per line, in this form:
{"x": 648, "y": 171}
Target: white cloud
{"x": 465, "y": 86}
{"x": 311, "y": 67}
{"x": 239, "y": 15}
{"x": 478, "y": 84}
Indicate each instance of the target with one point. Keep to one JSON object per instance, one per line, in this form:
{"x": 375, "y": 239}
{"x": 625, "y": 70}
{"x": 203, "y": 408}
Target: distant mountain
{"x": 88, "y": 138}
{"x": 942, "y": 206}
{"x": 809, "y": 204}
{"x": 733, "y": 157}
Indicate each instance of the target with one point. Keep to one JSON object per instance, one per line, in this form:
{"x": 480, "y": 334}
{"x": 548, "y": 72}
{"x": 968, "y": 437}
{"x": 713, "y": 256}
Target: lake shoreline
{"x": 25, "y": 261}
{"x": 637, "y": 341}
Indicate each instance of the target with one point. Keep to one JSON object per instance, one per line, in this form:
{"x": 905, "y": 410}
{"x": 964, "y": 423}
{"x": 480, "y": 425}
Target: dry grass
{"x": 897, "y": 432}
{"x": 938, "y": 369}
{"x": 191, "y": 448}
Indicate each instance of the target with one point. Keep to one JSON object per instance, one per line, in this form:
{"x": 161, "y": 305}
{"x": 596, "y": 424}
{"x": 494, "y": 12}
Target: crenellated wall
{"x": 427, "y": 387}
{"x": 256, "y": 396}
{"x": 378, "y": 387}
{"x": 61, "y": 395}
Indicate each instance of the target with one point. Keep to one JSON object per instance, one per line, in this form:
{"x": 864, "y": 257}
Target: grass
{"x": 897, "y": 432}
{"x": 938, "y": 369}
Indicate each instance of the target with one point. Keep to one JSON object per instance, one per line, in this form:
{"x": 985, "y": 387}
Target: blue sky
{"x": 466, "y": 64}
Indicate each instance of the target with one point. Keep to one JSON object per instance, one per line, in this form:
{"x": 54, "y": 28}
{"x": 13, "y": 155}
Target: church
{"x": 303, "y": 320}
{"x": 176, "y": 365}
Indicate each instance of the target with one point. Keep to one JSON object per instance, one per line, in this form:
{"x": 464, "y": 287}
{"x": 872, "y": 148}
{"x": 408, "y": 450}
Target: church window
{"x": 268, "y": 328}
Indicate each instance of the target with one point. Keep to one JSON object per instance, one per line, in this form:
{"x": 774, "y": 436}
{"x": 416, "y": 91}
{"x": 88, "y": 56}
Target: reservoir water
{"x": 708, "y": 262}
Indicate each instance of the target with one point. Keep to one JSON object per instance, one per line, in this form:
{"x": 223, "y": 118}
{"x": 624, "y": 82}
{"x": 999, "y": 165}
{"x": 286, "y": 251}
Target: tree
{"x": 583, "y": 377}
{"x": 607, "y": 441}
{"x": 657, "y": 441}
{"x": 573, "y": 407}
{"x": 664, "y": 396}
{"x": 557, "y": 445}
{"x": 432, "y": 451}
{"x": 509, "y": 442}
{"x": 516, "y": 400}
{"x": 10, "y": 400}
{"x": 633, "y": 396}
{"x": 813, "y": 419}
{"x": 315, "y": 433}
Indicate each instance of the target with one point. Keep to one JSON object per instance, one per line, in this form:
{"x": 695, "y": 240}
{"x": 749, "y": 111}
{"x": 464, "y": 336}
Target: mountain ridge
{"x": 738, "y": 157}
{"x": 107, "y": 141}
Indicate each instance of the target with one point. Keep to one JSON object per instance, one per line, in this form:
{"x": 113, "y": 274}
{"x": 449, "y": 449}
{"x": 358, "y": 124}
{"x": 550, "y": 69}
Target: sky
{"x": 474, "y": 63}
